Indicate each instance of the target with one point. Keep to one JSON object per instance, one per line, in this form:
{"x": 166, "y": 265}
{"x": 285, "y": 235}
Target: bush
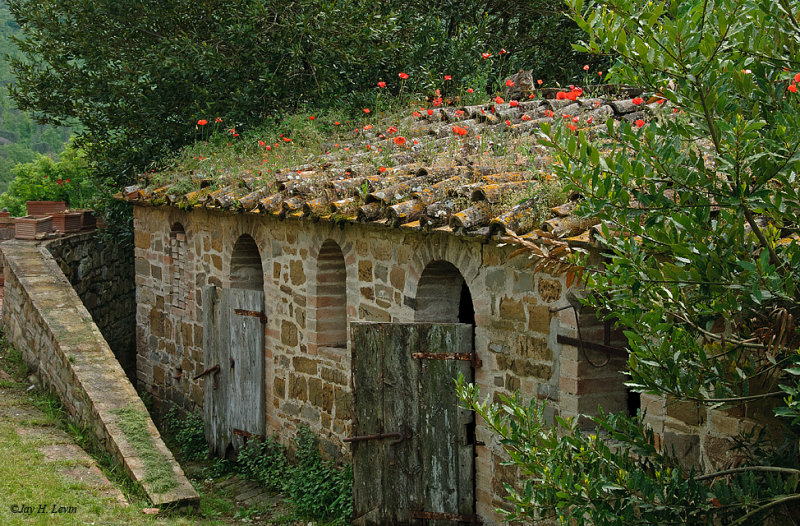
{"x": 65, "y": 179}
{"x": 188, "y": 433}
{"x": 318, "y": 489}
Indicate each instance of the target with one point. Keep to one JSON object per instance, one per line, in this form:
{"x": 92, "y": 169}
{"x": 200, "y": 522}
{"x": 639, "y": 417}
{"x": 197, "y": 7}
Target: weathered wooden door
{"x": 233, "y": 322}
{"x": 413, "y": 446}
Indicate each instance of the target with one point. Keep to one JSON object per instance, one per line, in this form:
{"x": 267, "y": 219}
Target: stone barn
{"x": 347, "y": 298}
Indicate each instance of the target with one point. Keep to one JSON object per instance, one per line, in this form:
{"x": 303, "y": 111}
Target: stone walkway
{"x": 55, "y": 444}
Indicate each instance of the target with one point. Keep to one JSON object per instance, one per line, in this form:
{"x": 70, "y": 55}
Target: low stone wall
{"x": 45, "y": 319}
{"x": 102, "y": 274}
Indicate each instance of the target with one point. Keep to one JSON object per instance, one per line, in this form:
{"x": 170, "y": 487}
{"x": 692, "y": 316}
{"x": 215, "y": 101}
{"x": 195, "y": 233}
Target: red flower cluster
{"x": 637, "y": 100}
{"x": 499, "y": 99}
{"x": 572, "y": 94}
{"x": 510, "y": 83}
{"x": 793, "y": 86}
{"x": 458, "y": 130}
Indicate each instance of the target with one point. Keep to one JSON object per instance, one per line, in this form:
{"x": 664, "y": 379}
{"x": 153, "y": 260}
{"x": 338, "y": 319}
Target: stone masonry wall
{"x": 44, "y": 318}
{"x": 102, "y": 273}
{"x": 308, "y": 371}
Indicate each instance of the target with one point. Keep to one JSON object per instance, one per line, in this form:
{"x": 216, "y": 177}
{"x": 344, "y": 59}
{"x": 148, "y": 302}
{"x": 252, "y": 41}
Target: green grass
{"x": 158, "y": 471}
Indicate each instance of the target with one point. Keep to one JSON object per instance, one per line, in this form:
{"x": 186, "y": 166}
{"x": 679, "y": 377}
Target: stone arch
{"x": 330, "y": 297}
{"x": 245, "y": 270}
{"x": 443, "y": 295}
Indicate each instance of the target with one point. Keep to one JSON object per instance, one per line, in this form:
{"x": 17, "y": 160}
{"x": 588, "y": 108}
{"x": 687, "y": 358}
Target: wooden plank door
{"x": 413, "y": 449}
{"x": 216, "y": 319}
{"x": 233, "y": 343}
{"x": 246, "y": 412}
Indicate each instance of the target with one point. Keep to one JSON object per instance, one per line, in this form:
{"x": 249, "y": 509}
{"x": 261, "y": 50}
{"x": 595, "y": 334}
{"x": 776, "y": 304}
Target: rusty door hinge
{"x": 464, "y": 356}
{"x": 454, "y": 517}
{"x": 397, "y": 436}
{"x": 254, "y": 313}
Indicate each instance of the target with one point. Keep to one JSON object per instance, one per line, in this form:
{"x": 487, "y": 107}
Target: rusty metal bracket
{"x": 254, "y": 313}
{"x": 247, "y": 434}
{"x": 208, "y": 371}
{"x": 396, "y": 435}
{"x": 464, "y": 356}
{"x": 454, "y": 517}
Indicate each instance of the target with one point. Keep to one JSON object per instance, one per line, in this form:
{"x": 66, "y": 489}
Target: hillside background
{"x": 21, "y": 138}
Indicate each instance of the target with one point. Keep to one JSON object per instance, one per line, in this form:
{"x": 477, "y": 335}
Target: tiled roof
{"x": 460, "y": 188}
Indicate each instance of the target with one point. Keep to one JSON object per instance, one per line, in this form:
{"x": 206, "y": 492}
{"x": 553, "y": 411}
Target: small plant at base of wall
{"x": 187, "y": 433}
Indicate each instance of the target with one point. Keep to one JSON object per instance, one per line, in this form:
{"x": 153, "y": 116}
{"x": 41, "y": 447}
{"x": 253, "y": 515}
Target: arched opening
{"x": 178, "y": 281}
{"x": 443, "y": 295}
{"x": 331, "y": 297}
{"x": 246, "y": 271}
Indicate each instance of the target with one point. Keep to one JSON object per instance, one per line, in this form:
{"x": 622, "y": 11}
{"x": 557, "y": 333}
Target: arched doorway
{"x": 233, "y": 322}
{"x": 410, "y": 430}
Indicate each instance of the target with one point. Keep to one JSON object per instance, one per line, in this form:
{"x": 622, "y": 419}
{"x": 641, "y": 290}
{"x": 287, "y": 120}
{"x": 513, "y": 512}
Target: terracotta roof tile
{"x": 456, "y": 191}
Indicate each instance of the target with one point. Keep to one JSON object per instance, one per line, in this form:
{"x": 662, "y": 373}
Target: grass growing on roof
{"x": 158, "y": 470}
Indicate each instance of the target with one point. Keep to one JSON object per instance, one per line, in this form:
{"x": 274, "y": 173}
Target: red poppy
{"x": 573, "y": 94}
{"x": 637, "y": 100}
{"x": 526, "y": 117}
{"x": 575, "y": 119}
{"x": 792, "y": 87}
{"x": 416, "y": 114}
{"x": 797, "y": 77}
{"x": 470, "y": 90}
{"x": 561, "y": 95}
{"x": 548, "y": 113}
{"x": 499, "y": 99}
{"x": 661, "y": 101}
{"x": 382, "y": 169}
{"x": 403, "y": 75}
{"x": 486, "y": 55}
{"x": 572, "y": 127}
{"x": 59, "y": 182}
{"x": 262, "y": 143}
{"x": 448, "y": 77}
{"x": 218, "y": 119}
{"x": 391, "y": 129}
{"x": 509, "y": 83}
{"x": 336, "y": 123}
{"x": 458, "y": 130}
{"x": 202, "y": 122}
{"x": 366, "y": 110}
{"x": 367, "y": 126}
{"x": 590, "y": 119}
{"x": 596, "y": 103}
{"x": 586, "y": 67}
{"x": 416, "y": 141}
{"x": 287, "y": 139}
{"x": 539, "y": 82}
{"x": 508, "y": 122}
{"x": 503, "y": 52}
{"x": 399, "y": 140}
{"x": 639, "y": 123}
{"x": 430, "y": 112}
{"x": 513, "y": 103}
{"x": 269, "y": 147}
{"x": 381, "y": 84}
{"x": 311, "y": 118}
{"x": 599, "y": 73}
{"x": 532, "y": 96}
{"x": 66, "y": 181}
{"x": 459, "y": 113}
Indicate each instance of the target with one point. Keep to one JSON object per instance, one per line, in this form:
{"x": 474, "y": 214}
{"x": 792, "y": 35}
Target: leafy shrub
{"x": 318, "y": 489}
{"x": 187, "y": 433}
{"x": 65, "y": 179}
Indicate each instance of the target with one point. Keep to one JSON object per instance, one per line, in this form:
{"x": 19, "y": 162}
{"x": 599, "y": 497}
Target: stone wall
{"x": 45, "y": 320}
{"x": 102, "y": 273}
{"x": 317, "y": 277}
